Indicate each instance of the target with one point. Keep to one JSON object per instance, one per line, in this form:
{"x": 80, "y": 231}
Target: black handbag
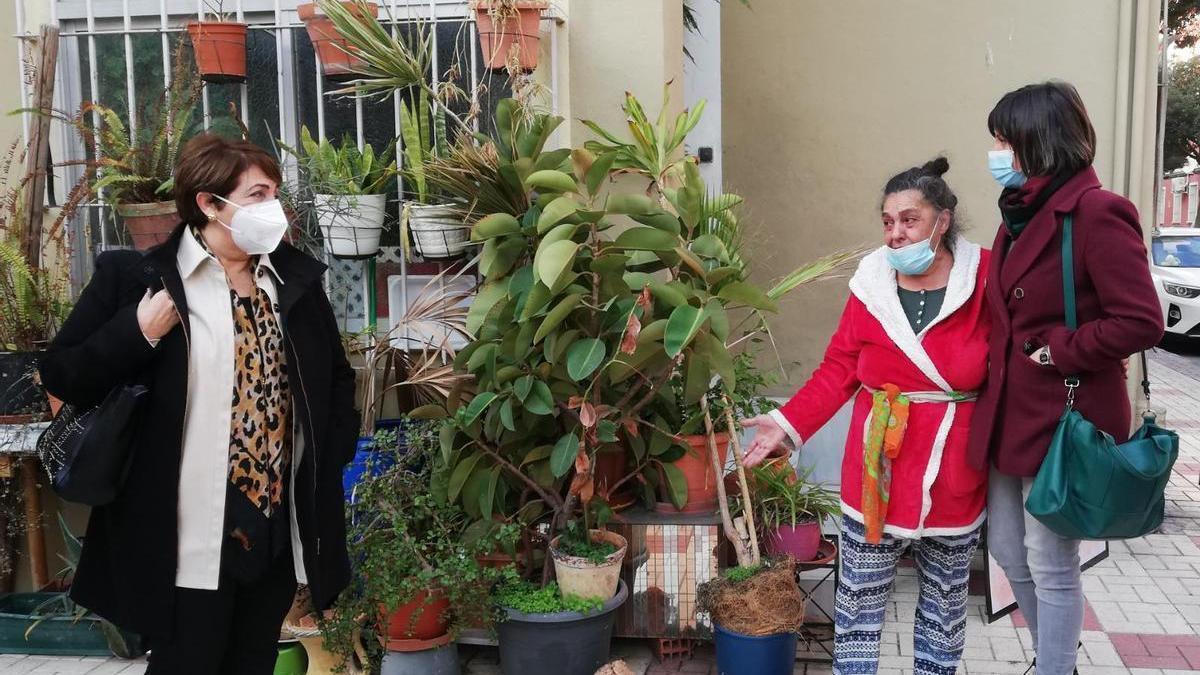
{"x": 87, "y": 450}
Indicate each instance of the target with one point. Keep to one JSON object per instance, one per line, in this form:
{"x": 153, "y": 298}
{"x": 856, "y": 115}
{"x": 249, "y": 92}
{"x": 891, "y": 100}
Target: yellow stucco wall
{"x": 824, "y": 101}
{"x": 617, "y": 46}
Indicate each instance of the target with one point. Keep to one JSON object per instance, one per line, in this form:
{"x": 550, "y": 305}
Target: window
{"x": 115, "y": 51}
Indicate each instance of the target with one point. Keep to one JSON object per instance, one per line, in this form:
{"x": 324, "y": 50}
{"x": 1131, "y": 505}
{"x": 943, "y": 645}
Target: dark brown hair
{"x": 212, "y": 163}
{"x": 1048, "y": 128}
{"x": 927, "y": 179}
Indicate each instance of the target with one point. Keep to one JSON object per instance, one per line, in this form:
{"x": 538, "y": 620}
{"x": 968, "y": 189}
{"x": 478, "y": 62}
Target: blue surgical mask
{"x": 1000, "y": 162}
{"x": 915, "y": 258}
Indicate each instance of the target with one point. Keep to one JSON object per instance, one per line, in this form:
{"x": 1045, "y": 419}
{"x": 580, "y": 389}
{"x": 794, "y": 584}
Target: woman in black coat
{"x": 234, "y": 491}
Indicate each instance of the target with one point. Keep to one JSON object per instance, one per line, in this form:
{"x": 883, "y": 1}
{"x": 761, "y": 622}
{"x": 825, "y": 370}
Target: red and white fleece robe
{"x": 934, "y": 491}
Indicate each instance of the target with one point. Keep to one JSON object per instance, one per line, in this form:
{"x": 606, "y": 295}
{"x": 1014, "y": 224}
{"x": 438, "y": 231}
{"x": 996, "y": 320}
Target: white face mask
{"x": 257, "y": 228}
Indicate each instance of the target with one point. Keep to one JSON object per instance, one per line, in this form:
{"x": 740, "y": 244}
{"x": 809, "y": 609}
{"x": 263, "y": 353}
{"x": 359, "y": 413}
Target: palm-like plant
{"x": 425, "y": 370}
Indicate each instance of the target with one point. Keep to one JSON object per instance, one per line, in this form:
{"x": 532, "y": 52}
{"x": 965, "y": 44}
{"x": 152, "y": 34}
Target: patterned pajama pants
{"x": 865, "y": 578}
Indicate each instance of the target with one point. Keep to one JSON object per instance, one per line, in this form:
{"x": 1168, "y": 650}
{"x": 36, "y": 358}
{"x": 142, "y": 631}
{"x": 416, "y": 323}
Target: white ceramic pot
{"x": 351, "y": 224}
{"x": 438, "y": 230}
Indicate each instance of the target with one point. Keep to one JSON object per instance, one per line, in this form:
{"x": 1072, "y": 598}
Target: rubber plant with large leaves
{"x": 593, "y": 296}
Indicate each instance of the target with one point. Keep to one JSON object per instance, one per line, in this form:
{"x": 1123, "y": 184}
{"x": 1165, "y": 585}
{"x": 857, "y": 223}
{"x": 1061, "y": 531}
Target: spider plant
{"x": 779, "y": 498}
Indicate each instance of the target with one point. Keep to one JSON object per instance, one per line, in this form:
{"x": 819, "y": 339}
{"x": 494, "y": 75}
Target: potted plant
{"x": 338, "y": 60}
{"x": 509, "y": 30}
{"x": 34, "y": 288}
{"x": 219, "y": 46}
{"x": 134, "y": 168}
{"x": 49, "y": 622}
{"x": 542, "y": 626}
{"x": 437, "y": 227}
{"x": 789, "y": 509}
{"x": 756, "y": 612}
{"x": 417, "y": 578}
{"x": 719, "y": 357}
{"x": 348, "y": 188}
{"x": 418, "y": 372}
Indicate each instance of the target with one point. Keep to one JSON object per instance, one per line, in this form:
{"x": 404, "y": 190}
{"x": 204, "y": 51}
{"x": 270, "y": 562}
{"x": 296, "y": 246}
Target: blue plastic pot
{"x": 366, "y": 463}
{"x": 739, "y": 654}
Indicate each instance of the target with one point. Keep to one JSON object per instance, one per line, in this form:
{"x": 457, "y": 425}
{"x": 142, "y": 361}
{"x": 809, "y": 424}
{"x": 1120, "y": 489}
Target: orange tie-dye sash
{"x": 889, "y": 418}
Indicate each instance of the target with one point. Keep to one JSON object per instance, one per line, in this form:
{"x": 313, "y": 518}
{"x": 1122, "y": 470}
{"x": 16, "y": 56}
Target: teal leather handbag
{"x": 1090, "y": 487}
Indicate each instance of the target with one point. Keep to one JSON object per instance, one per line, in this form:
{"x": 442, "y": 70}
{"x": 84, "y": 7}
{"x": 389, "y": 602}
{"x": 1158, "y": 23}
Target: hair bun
{"x": 936, "y": 167}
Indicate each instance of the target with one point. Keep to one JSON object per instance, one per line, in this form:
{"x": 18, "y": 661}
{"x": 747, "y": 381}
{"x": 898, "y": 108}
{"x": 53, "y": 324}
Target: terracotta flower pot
{"x": 611, "y": 467}
{"x": 696, "y": 465}
{"x": 220, "y": 50}
{"x": 580, "y": 577}
{"x": 425, "y": 617}
{"x": 336, "y": 63}
{"x": 148, "y": 224}
{"x": 800, "y": 541}
{"x": 499, "y": 32}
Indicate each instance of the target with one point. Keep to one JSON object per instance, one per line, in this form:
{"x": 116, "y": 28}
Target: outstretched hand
{"x": 768, "y": 438}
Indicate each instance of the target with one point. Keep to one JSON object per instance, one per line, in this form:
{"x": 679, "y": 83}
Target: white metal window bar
{"x": 82, "y": 21}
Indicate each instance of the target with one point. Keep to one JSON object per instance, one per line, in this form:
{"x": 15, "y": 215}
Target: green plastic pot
{"x": 292, "y": 660}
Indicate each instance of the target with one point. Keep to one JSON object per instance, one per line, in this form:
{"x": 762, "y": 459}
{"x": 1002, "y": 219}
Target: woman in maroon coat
{"x": 1044, "y": 147}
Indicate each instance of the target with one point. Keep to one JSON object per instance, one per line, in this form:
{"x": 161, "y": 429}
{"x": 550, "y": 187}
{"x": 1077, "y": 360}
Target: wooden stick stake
{"x": 741, "y": 473}
{"x": 37, "y": 158}
{"x": 740, "y": 549}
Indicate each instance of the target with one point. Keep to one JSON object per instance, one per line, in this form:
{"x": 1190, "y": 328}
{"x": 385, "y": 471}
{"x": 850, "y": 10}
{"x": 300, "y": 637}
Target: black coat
{"x": 127, "y": 569}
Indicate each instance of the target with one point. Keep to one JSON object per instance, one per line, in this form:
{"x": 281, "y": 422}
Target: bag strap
{"x": 1068, "y": 272}
{"x": 1068, "y": 280}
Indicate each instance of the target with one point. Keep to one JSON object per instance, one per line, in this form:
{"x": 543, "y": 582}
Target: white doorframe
{"x": 702, "y": 80}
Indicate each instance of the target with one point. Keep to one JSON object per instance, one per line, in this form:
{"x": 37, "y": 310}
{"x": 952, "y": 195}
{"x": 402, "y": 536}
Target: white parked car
{"x": 1175, "y": 266}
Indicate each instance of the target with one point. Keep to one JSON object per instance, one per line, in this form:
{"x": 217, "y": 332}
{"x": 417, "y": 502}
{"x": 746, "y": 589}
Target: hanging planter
{"x": 507, "y": 24}
{"x": 148, "y": 224}
{"x": 220, "y": 50}
{"x": 337, "y": 64}
{"x": 438, "y": 231}
{"x": 351, "y": 224}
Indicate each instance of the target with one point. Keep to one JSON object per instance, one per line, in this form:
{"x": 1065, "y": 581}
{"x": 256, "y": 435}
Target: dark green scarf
{"x": 1018, "y": 206}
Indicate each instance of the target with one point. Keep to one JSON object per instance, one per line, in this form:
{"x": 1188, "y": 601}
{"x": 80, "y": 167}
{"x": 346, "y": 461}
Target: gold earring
{"x": 212, "y": 217}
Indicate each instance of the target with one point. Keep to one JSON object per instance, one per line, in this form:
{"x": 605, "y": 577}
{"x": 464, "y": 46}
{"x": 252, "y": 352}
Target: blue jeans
{"x": 1043, "y": 569}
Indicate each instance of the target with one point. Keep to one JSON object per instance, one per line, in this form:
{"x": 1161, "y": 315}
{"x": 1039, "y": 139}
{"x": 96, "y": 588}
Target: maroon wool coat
{"x": 1118, "y": 312}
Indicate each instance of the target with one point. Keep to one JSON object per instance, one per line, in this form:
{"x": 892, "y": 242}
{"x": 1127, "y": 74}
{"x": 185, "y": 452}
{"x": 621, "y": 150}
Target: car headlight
{"x": 1180, "y": 291}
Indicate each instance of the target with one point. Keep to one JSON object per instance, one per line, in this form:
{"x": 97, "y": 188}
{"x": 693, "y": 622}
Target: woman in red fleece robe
{"x": 911, "y": 350}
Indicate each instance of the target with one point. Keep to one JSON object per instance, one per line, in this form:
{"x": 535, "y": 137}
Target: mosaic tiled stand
{"x": 670, "y": 555}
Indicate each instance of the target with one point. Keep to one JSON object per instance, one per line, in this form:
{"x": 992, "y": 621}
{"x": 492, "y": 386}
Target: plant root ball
{"x": 767, "y": 603}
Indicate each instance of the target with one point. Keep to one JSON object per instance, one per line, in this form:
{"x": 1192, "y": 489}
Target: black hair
{"x": 1048, "y": 128}
{"x": 927, "y": 179}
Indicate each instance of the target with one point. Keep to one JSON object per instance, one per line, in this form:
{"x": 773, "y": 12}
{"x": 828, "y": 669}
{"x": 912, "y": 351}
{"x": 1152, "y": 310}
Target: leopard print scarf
{"x": 259, "y": 440}
{"x": 259, "y": 437}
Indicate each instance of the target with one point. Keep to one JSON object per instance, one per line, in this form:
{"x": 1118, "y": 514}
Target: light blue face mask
{"x": 1000, "y": 163}
{"x": 915, "y": 258}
